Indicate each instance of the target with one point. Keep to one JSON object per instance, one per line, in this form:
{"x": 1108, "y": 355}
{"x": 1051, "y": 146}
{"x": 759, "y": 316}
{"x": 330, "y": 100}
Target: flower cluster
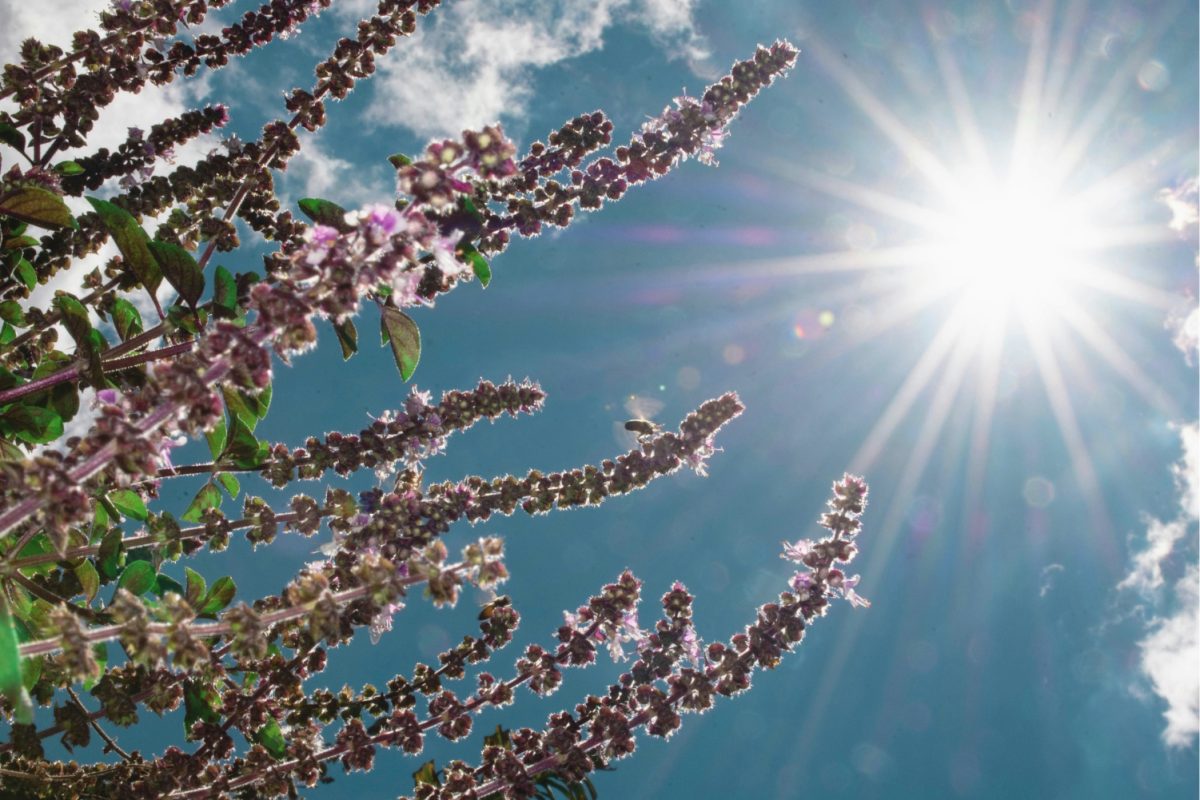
{"x": 87, "y": 559}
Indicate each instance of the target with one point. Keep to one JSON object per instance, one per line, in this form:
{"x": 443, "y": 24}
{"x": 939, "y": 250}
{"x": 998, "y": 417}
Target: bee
{"x": 642, "y": 428}
{"x": 488, "y": 610}
{"x": 641, "y": 425}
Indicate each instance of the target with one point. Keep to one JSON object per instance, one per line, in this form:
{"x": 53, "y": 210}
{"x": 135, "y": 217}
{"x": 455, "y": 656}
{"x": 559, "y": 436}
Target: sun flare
{"x": 1007, "y": 246}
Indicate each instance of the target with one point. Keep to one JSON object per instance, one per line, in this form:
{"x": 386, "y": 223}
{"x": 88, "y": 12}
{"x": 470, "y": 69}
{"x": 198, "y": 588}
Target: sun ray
{"x": 1068, "y": 427}
{"x": 918, "y": 378}
{"x": 1116, "y": 357}
{"x": 888, "y": 124}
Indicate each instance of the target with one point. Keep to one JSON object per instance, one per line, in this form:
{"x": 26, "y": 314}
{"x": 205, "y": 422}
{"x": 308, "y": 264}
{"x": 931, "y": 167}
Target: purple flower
{"x": 796, "y": 552}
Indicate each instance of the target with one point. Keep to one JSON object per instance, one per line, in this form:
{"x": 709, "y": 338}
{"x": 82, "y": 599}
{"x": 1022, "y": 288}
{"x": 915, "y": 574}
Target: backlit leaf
{"x": 131, "y": 240}
{"x": 398, "y": 329}
{"x": 37, "y": 206}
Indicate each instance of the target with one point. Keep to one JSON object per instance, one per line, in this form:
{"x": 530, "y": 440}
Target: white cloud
{"x": 314, "y": 172}
{"x": 470, "y": 63}
{"x": 1182, "y": 201}
{"x": 1171, "y": 660}
{"x": 1161, "y": 536}
{"x": 1049, "y": 572}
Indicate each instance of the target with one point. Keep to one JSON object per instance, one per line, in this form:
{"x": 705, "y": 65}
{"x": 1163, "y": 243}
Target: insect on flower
{"x": 642, "y": 428}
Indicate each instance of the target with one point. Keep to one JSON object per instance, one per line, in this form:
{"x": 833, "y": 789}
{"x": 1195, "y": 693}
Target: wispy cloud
{"x": 1170, "y": 651}
{"x": 471, "y": 63}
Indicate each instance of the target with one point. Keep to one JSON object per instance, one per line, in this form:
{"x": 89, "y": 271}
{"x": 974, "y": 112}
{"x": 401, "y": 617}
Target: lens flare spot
{"x": 733, "y": 354}
{"x": 826, "y": 318}
{"x": 688, "y": 378}
{"x": 1038, "y": 492}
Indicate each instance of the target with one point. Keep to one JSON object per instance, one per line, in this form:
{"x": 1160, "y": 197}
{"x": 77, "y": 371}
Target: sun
{"x": 1010, "y": 245}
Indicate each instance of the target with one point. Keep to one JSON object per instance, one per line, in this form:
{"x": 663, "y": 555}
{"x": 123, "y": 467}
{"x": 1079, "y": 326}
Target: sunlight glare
{"x": 1007, "y": 246}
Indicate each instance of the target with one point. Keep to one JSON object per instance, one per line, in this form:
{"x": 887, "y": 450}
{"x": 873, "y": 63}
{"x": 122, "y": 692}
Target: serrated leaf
{"x": 270, "y": 736}
{"x": 11, "y": 311}
{"x": 12, "y": 684}
{"x": 208, "y": 497}
{"x": 347, "y": 336}
{"x": 398, "y": 329}
{"x": 325, "y": 212}
{"x": 230, "y": 484}
{"x": 180, "y": 270}
{"x": 108, "y": 559}
{"x": 131, "y": 240}
{"x": 219, "y": 596}
{"x": 137, "y": 578}
{"x": 196, "y": 586}
{"x": 37, "y": 206}
{"x": 129, "y": 503}
{"x": 11, "y": 136}
{"x": 89, "y": 578}
{"x": 126, "y": 319}
{"x": 31, "y": 424}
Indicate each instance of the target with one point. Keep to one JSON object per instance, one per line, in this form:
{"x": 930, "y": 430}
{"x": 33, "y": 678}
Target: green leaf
{"x": 126, "y": 319}
{"x": 180, "y": 270}
{"x": 129, "y": 503}
{"x": 208, "y": 497}
{"x": 325, "y": 212}
{"x": 195, "y": 587}
{"x": 188, "y": 320}
{"x": 347, "y": 336}
{"x": 37, "y": 206}
{"x": 216, "y": 438}
{"x": 225, "y": 294}
{"x": 7, "y": 334}
{"x": 137, "y": 578}
{"x": 247, "y": 406}
{"x": 108, "y": 560}
{"x": 100, "y": 653}
{"x": 165, "y": 583}
{"x": 11, "y": 311}
{"x": 427, "y": 774}
{"x": 68, "y": 168}
{"x": 270, "y": 736}
{"x": 20, "y": 242}
{"x": 31, "y": 424}
{"x": 230, "y": 484}
{"x": 131, "y": 240}
{"x": 89, "y": 578}
{"x": 12, "y": 684}
{"x": 74, "y": 319}
{"x": 397, "y": 328}
{"x": 27, "y": 273}
{"x": 200, "y": 702}
{"x": 242, "y": 449}
{"x": 399, "y": 160}
{"x": 220, "y": 595}
{"x": 12, "y": 137}
{"x": 479, "y": 264}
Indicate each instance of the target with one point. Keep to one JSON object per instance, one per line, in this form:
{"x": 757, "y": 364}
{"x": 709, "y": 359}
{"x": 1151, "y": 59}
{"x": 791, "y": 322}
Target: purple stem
{"x": 72, "y": 373}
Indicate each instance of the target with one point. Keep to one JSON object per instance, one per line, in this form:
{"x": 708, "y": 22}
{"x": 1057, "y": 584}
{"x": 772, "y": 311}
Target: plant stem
{"x": 72, "y": 373}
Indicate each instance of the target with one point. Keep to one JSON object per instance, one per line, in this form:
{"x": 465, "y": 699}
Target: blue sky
{"x": 955, "y": 250}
